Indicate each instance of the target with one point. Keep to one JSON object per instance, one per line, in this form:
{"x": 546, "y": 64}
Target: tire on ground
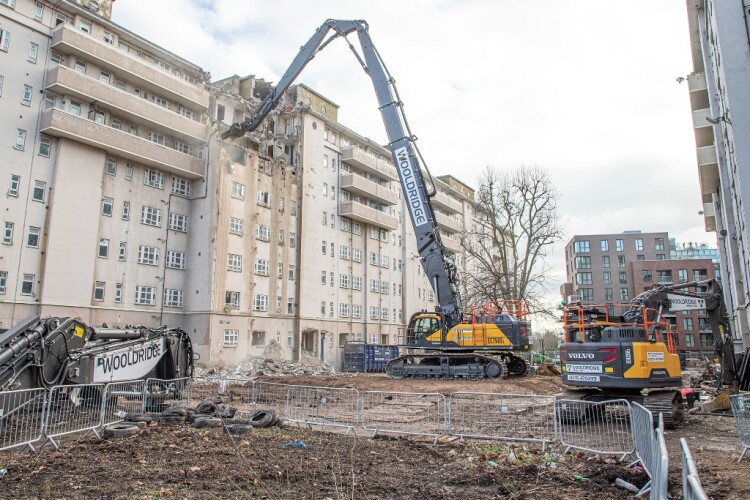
{"x": 205, "y": 422}
{"x": 207, "y": 406}
{"x": 121, "y": 430}
{"x": 139, "y": 417}
{"x": 262, "y": 418}
{"x": 238, "y": 429}
{"x": 175, "y": 412}
{"x": 225, "y": 411}
{"x": 171, "y": 419}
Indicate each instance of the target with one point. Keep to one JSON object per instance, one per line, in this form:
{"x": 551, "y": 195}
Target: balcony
{"x": 356, "y": 157}
{"x": 364, "y": 187}
{"x": 447, "y": 223}
{"x": 452, "y": 244}
{"x": 362, "y": 213}
{"x": 699, "y": 118}
{"x": 58, "y": 123}
{"x": 65, "y": 81}
{"x": 68, "y": 40}
{"x": 696, "y": 82}
{"x": 450, "y": 205}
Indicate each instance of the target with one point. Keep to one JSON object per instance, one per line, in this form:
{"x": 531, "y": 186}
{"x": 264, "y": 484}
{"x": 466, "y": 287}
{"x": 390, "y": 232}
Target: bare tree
{"x": 515, "y": 226}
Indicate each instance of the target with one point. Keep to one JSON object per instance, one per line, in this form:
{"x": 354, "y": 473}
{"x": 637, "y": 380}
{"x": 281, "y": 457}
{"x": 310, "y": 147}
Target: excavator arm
{"x": 437, "y": 261}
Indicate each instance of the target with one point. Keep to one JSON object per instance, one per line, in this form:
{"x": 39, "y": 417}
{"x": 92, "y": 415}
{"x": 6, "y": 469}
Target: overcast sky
{"x": 585, "y": 88}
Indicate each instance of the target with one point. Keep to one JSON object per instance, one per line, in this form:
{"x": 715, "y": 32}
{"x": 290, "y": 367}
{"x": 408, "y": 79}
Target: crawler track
{"x": 453, "y": 366}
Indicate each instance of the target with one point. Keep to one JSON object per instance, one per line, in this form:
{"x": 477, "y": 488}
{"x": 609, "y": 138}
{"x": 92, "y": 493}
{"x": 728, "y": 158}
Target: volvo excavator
{"x": 633, "y": 356}
{"x": 475, "y": 342}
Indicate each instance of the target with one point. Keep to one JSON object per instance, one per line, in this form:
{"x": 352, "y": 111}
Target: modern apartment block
{"x": 101, "y": 141}
{"x": 598, "y": 266}
{"x": 719, "y": 88}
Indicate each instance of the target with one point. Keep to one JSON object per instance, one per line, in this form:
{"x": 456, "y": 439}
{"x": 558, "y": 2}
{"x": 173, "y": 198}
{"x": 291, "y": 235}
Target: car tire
{"x": 121, "y": 430}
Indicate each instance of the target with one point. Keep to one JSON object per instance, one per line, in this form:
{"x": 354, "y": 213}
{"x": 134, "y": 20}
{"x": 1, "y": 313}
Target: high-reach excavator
{"x": 476, "y": 342}
{"x": 633, "y": 356}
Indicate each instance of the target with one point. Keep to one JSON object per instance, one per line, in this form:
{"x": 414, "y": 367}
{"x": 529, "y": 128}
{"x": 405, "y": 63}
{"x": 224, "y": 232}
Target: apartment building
{"x": 599, "y": 266}
{"x": 102, "y": 142}
{"x": 720, "y": 103}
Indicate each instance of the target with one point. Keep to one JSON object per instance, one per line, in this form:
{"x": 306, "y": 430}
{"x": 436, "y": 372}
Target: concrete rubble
{"x": 261, "y": 367}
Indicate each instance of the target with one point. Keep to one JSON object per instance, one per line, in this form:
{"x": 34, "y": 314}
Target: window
{"x": 689, "y": 340}
{"x": 292, "y": 240}
{"x": 664, "y": 276}
{"x": 104, "y": 77}
{"x": 343, "y": 310}
{"x": 659, "y": 244}
{"x": 281, "y": 236}
{"x": 375, "y": 285}
{"x": 238, "y": 191}
{"x": 151, "y": 216}
{"x": 180, "y": 186}
{"x": 33, "y": 237}
{"x": 54, "y": 59}
{"x": 323, "y": 277}
{"x": 8, "y": 234}
{"x": 15, "y": 184}
{"x": 583, "y": 262}
{"x": 384, "y": 314}
{"x": 122, "y": 254}
{"x": 356, "y": 311}
{"x": 107, "y": 204}
{"x": 356, "y": 282}
{"x": 80, "y": 67}
{"x": 324, "y": 219}
{"x": 38, "y": 11}
{"x": 157, "y": 138}
{"x": 605, "y": 245}
{"x": 640, "y": 256}
{"x": 4, "y": 40}
{"x": 172, "y": 297}
{"x": 582, "y": 246}
{"x": 99, "y": 117}
{"x": 700, "y": 274}
{"x": 290, "y": 306}
{"x": 607, "y": 277}
{"x": 259, "y": 338}
{"x": 260, "y": 302}
{"x": 264, "y": 199}
{"x": 178, "y": 222}
{"x": 50, "y": 100}
{"x": 293, "y": 208}
{"x": 374, "y": 312}
{"x": 624, "y": 294}
{"x": 125, "y": 210}
{"x": 623, "y": 277}
{"x": 323, "y": 307}
{"x": 234, "y": 262}
{"x": 2, "y": 80}
{"x": 608, "y": 296}
{"x": 687, "y": 323}
{"x": 232, "y": 300}
{"x": 639, "y": 244}
{"x": 620, "y": 261}
{"x": 586, "y": 294}
{"x": 263, "y": 232}
{"x": 20, "y": 139}
{"x": 261, "y": 267}
{"x": 344, "y": 280}
{"x": 145, "y": 295}
{"x": 344, "y": 252}
{"x": 659, "y": 256}
{"x": 357, "y": 255}
{"x": 99, "y": 290}
{"x": 231, "y": 338}
{"x": 103, "y": 248}
{"x": 357, "y": 228}
{"x": 619, "y": 246}
{"x": 584, "y": 278}
{"x": 682, "y": 275}
{"x": 291, "y": 272}
{"x": 647, "y": 278}
{"x": 175, "y": 259}
{"x": 148, "y": 255}
{"x": 60, "y": 18}
{"x": 154, "y": 178}
{"x": 236, "y": 226}
{"x": 331, "y": 278}
{"x": 75, "y": 108}
{"x": 85, "y": 26}
{"x": 33, "y": 52}
{"x": 27, "y": 284}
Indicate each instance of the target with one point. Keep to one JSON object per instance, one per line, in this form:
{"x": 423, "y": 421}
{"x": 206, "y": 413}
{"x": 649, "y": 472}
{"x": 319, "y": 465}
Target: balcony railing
{"x": 448, "y": 223}
{"x": 358, "y": 158}
{"x": 364, "y": 187}
{"x": 58, "y": 123}
{"x": 362, "y": 213}
{"x": 65, "y": 81}
{"x": 68, "y": 40}
{"x": 447, "y": 203}
{"x": 452, "y": 244}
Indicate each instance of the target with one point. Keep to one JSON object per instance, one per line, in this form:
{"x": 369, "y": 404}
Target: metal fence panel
{"x": 271, "y": 396}
{"x": 741, "y": 410}
{"x": 204, "y": 388}
{"x": 122, "y": 398}
{"x": 513, "y": 417}
{"x": 237, "y": 393}
{"x": 691, "y": 484}
{"x": 73, "y": 408}
{"x": 404, "y": 413}
{"x": 161, "y": 393}
{"x": 21, "y": 417}
{"x": 327, "y": 406}
{"x": 660, "y": 479}
{"x": 602, "y": 427}
{"x": 642, "y": 422}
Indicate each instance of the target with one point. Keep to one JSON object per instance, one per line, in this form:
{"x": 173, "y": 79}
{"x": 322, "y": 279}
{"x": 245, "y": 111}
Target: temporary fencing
{"x": 643, "y": 439}
{"x": 741, "y": 410}
{"x": 161, "y": 393}
{"x": 238, "y": 394}
{"x": 659, "y": 481}
{"x": 73, "y": 409}
{"x": 271, "y": 396}
{"x": 21, "y": 417}
{"x": 122, "y": 398}
{"x": 414, "y": 413}
{"x": 513, "y": 417}
{"x": 327, "y": 406}
{"x": 602, "y": 427}
{"x": 691, "y": 484}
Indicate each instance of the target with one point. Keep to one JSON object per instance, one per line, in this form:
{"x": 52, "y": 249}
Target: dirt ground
{"x": 184, "y": 462}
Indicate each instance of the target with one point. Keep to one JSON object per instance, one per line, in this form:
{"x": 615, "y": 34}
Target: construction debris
{"x": 260, "y": 367}
{"x": 547, "y": 370}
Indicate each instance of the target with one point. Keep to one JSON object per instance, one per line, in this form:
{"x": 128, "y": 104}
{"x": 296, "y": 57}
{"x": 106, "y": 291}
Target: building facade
{"x": 719, "y": 89}
{"x": 123, "y": 206}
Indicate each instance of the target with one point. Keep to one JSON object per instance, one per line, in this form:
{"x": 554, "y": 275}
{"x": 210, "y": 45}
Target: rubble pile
{"x": 266, "y": 367}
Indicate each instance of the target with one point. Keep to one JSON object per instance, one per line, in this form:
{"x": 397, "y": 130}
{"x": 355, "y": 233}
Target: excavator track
{"x": 452, "y": 366}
